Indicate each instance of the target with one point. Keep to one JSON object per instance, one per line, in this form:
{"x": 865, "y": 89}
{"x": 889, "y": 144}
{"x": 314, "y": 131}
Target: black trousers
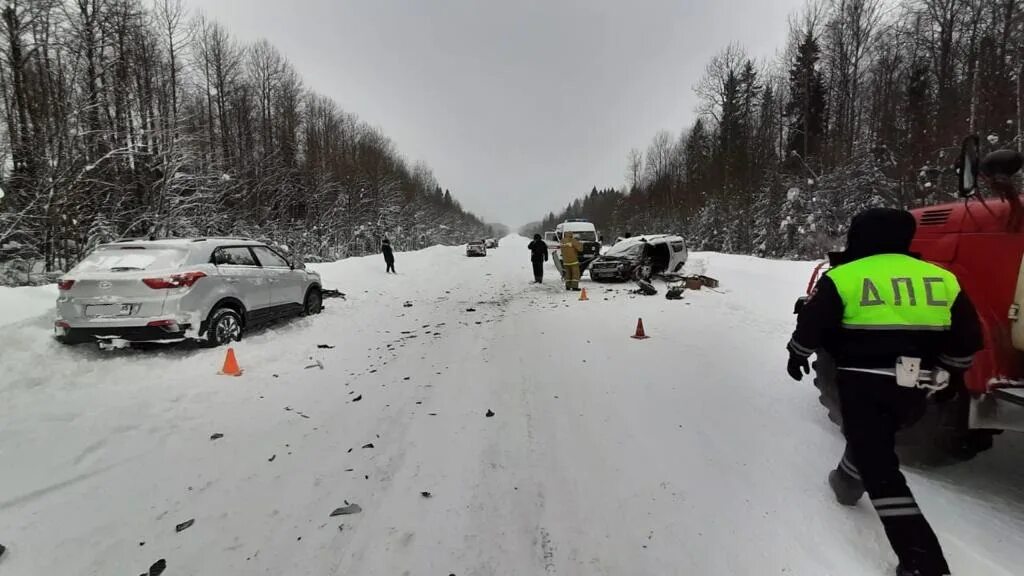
{"x": 538, "y": 270}
{"x": 874, "y": 407}
{"x": 391, "y": 266}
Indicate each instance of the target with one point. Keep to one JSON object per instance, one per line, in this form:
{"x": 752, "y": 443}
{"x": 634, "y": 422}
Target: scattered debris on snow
{"x": 185, "y": 525}
{"x": 346, "y": 510}
{"x": 216, "y": 436}
{"x": 158, "y": 567}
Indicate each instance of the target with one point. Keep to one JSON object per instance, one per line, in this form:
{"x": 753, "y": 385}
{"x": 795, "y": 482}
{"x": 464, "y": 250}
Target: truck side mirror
{"x": 967, "y": 167}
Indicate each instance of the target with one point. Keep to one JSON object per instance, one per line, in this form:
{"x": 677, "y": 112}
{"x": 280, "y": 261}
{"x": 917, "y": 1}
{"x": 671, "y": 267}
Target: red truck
{"x": 980, "y": 239}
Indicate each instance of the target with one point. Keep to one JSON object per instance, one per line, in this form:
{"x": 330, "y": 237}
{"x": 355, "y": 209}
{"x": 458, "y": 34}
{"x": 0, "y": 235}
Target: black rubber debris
{"x": 185, "y": 525}
{"x": 370, "y": 445}
{"x": 325, "y": 346}
{"x": 357, "y": 398}
{"x": 345, "y": 510}
{"x": 426, "y": 494}
{"x": 489, "y": 414}
{"x": 158, "y": 567}
{"x": 272, "y": 458}
{"x": 216, "y": 436}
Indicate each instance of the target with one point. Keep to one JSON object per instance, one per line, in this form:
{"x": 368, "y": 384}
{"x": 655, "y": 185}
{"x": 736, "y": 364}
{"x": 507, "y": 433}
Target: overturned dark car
{"x": 641, "y": 258}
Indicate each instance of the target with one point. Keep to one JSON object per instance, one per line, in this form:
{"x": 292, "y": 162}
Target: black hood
{"x": 877, "y": 231}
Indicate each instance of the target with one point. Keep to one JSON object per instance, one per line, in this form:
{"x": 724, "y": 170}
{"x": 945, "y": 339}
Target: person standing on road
{"x": 538, "y": 256}
{"x": 900, "y": 330}
{"x": 389, "y": 255}
{"x": 571, "y": 249}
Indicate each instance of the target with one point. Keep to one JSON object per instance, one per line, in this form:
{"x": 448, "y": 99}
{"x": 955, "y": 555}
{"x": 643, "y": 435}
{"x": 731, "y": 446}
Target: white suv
{"x": 173, "y": 290}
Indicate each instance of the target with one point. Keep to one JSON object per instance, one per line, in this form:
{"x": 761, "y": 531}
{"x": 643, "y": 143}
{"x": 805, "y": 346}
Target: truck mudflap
{"x": 1002, "y": 408}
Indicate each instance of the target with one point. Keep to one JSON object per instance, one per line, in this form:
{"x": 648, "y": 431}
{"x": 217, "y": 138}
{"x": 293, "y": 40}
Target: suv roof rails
{"x": 223, "y": 238}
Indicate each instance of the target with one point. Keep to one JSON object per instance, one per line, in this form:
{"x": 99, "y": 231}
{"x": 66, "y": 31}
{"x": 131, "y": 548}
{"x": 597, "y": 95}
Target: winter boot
{"x": 847, "y": 489}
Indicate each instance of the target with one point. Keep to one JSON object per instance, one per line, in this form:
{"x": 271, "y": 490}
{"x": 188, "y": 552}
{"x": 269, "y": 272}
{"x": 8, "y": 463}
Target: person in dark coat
{"x": 538, "y": 255}
{"x": 900, "y": 329}
{"x": 389, "y": 255}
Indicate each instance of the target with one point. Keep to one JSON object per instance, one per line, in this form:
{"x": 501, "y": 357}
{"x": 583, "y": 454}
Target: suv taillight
{"x": 185, "y": 280}
{"x": 65, "y": 285}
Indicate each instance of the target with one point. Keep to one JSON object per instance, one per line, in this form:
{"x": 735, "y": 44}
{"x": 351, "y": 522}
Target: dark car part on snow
{"x": 216, "y": 436}
{"x": 332, "y": 294}
{"x": 675, "y": 293}
{"x": 646, "y": 288}
{"x": 357, "y": 398}
{"x": 426, "y": 494}
{"x": 370, "y": 445}
{"x": 489, "y": 414}
{"x": 158, "y": 567}
{"x": 345, "y": 510}
{"x": 272, "y": 458}
{"x": 325, "y": 346}
{"x": 185, "y": 525}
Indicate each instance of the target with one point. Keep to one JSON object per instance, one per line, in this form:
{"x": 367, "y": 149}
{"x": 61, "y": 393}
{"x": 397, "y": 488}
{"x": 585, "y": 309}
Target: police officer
{"x": 899, "y": 328}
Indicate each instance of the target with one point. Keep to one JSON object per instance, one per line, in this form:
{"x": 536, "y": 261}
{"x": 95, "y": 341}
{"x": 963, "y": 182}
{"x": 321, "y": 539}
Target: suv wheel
{"x": 314, "y": 302}
{"x": 225, "y": 326}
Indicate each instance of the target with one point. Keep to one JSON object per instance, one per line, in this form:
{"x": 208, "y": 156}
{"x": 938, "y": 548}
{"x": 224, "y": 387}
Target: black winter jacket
{"x": 538, "y": 251}
{"x": 820, "y": 323}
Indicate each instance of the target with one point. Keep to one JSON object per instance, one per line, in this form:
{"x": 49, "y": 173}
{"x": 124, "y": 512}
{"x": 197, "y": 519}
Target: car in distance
{"x": 209, "y": 289}
{"x": 476, "y": 248}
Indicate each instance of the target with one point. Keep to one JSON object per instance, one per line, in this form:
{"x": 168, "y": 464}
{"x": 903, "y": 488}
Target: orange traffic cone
{"x": 640, "y": 335}
{"x": 583, "y": 294}
{"x": 230, "y": 365}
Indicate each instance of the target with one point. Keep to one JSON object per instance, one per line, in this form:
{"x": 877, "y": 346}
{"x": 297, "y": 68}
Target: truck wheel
{"x": 938, "y": 438}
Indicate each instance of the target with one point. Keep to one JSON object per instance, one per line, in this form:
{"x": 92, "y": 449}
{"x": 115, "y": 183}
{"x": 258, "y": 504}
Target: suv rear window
{"x": 132, "y": 258}
{"x": 235, "y": 256}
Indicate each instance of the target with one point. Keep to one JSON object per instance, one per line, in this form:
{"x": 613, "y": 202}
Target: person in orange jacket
{"x": 571, "y": 248}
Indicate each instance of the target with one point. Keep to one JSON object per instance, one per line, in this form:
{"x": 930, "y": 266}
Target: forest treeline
{"x": 865, "y": 106}
{"x": 124, "y": 118}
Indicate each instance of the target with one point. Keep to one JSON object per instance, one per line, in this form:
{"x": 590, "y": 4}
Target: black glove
{"x": 796, "y": 364}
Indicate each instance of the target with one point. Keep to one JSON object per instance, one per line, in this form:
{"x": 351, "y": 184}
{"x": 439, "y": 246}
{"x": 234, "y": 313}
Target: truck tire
{"x": 940, "y": 437}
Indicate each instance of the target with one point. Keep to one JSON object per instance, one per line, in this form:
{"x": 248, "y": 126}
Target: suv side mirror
{"x": 298, "y": 265}
{"x": 967, "y": 167}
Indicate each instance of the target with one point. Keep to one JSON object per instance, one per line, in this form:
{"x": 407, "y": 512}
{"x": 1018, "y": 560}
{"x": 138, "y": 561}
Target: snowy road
{"x": 690, "y": 453}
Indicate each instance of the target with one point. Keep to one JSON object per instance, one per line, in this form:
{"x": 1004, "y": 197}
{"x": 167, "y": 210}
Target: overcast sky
{"x": 519, "y": 106}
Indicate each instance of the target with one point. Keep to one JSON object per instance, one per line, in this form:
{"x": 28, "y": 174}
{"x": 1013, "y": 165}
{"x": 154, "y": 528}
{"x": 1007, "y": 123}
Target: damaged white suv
{"x": 208, "y": 289}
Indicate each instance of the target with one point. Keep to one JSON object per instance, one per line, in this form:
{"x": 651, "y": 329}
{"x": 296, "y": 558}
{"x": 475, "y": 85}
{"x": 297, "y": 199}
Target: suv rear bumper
{"x": 81, "y": 335}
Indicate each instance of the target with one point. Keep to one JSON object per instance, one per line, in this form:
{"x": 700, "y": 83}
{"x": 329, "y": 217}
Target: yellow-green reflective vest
{"x": 895, "y": 292}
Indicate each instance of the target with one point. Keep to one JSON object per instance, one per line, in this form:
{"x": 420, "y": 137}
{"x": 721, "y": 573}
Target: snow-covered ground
{"x": 688, "y": 453}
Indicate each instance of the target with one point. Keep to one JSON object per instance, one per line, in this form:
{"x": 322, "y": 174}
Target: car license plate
{"x": 108, "y": 310}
